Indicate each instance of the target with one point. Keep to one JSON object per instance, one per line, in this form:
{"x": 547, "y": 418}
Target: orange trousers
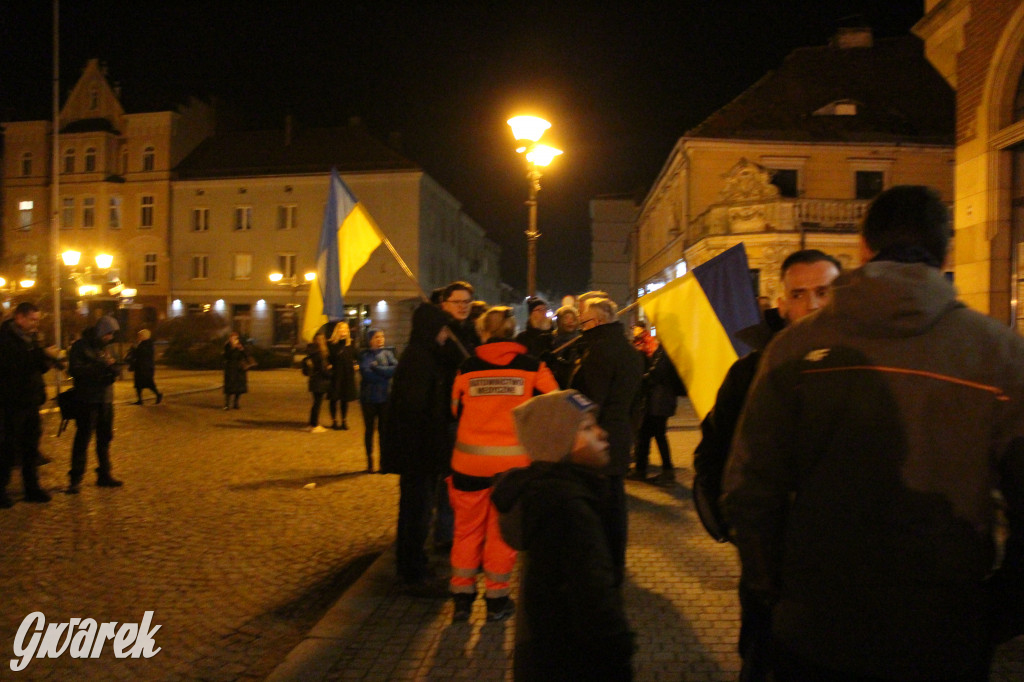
{"x": 478, "y": 543}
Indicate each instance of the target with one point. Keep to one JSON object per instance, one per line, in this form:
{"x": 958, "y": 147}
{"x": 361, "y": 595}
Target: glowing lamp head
{"x": 310, "y": 276}
{"x": 275, "y": 277}
{"x": 542, "y": 155}
{"x": 71, "y": 258}
{"x": 104, "y": 261}
{"x": 528, "y": 127}
{"x": 3, "y": 282}
{"x": 26, "y": 283}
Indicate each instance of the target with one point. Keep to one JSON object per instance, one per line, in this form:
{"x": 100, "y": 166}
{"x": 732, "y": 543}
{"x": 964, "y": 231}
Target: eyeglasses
{"x": 587, "y": 319}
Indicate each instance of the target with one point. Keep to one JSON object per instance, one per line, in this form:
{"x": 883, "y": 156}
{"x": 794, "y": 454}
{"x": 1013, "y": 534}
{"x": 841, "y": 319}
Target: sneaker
{"x": 109, "y": 482}
{"x": 463, "y": 607}
{"x": 40, "y": 496}
{"x": 499, "y": 609}
{"x": 317, "y": 429}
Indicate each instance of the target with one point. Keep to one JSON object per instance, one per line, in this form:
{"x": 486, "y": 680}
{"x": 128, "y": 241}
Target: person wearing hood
{"x": 376, "y": 367}
{"x": 94, "y": 371}
{"x": 861, "y": 486}
{"x": 572, "y": 624}
{"x": 488, "y": 387}
{"x": 23, "y": 361}
{"x": 415, "y": 444}
{"x": 806, "y": 277}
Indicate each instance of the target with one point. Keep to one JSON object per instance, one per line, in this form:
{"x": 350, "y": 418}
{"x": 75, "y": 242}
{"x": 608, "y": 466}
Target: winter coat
{"x": 92, "y": 368}
{"x": 487, "y": 388}
{"x": 415, "y": 439}
{"x": 142, "y": 362}
{"x": 536, "y": 341}
{"x": 661, "y": 384}
{"x": 376, "y": 367}
{"x": 236, "y": 375}
{"x": 860, "y": 482}
{"x": 343, "y": 359}
{"x": 609, "y": 373}
{"x": 318, "y": 369}
{"x": 563, "y": 362}
{"x": 571, "y": 624}
{"x": 22, "y": 365}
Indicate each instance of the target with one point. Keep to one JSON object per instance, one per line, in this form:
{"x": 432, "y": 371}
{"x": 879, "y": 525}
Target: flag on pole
{"x": 697, "y": 317}
{"x": 347, "y": 239}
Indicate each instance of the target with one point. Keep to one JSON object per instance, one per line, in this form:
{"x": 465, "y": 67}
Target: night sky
{"x": 620, "y": 84}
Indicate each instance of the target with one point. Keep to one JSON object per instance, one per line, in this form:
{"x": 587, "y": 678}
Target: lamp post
{"x": 295, "y": 283}
{"x": 528, "y": 131}
{"x": 84, "y": 276}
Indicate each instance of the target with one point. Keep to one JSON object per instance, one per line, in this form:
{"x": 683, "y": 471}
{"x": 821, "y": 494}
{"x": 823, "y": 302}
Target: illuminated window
{"x": 243, "y": 266}
{"x": 25, "y": 215}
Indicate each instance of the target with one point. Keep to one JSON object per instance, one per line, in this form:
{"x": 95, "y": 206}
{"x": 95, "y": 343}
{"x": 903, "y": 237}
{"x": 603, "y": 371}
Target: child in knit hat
{"x": 571, "y": 624}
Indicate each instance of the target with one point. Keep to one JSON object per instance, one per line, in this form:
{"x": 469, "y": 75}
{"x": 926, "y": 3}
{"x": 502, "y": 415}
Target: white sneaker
{"x": 317, "y": 429}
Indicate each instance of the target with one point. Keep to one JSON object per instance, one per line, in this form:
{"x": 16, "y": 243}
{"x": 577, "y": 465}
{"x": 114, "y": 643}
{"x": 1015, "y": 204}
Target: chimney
{"x": 849, "y": 37}
{"x": 288, "y": 130}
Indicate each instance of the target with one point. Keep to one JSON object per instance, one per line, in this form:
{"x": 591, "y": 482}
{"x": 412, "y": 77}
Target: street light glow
{"x": 275, "y": 277}
{"x": 528, "y": 127}
{"x": 542, "y": 155}
{"x": 71, "y": 258}
{"x": 310, "y": 276}
{"x": 104, "y": 261}
{"x": 26, "y": 283}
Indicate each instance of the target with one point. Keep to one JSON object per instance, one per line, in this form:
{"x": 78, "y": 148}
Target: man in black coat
{"x": 415, "y": 443}
{"x": 94, "y": 371}
{"x": 22, "y": 365}
{"x": 610, "y": 373}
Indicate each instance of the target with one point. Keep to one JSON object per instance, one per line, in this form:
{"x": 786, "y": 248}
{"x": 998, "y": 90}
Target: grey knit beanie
{"x": 106, "y": 325}
{"x": 546, "y": 425}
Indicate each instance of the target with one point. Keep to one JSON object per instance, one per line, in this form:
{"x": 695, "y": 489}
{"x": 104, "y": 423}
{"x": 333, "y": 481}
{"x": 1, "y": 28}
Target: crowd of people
{"x": 858, "y": 458}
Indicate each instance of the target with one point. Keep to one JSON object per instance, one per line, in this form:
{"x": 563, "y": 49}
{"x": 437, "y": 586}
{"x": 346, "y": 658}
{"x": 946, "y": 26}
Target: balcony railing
{"x": 779, "y": 215}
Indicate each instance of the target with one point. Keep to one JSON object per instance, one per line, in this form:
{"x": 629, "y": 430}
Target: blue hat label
{"x": 580, "y": 402}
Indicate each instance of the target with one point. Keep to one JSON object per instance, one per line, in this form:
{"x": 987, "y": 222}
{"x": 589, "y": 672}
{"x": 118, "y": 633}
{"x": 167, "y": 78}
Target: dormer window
{"x": 840, "y": 107}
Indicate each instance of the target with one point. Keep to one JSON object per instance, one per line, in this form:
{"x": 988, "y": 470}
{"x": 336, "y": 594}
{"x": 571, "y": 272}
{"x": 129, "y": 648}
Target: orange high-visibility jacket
{"x": 498, "y": 378}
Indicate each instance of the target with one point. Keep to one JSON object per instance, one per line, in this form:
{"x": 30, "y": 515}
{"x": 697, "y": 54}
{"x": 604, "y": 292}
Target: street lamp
{"x": 528, "y": 131}
{"x": 84, "y": 277}
{"x": 295, "y": 283}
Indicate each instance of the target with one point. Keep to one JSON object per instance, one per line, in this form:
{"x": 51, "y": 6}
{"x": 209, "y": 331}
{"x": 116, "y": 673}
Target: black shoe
{"x": 40, "y": 496}
{"x": 344, "y": 425}
{"x": 334, "y": 426}
{"x": 159, "y": 397}
{"x": 72, "y": 488}
{"x": 463, "y": 607}
{"x": 5, "y": 501}
{"x": 427, "y": 588}
{"x": 636, "y": 475}
{"x": 499, "y": 609}
{"x": 109, "y": 482}
{"x": 139, "y": 402}
{"x": 666, "y": 479}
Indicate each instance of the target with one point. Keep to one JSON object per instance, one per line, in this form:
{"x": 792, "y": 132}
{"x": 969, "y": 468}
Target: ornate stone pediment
{"x": 748, "y": 181}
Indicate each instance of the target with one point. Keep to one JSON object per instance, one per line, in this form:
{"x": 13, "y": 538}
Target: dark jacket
{"x": 661, "y": 384}
{"x": 22, "y": 365}
{"x": 343, "y": 359}
{"x": 562, "y": 358}
{"x": 572, "y": 625}
{"x": 416, "y": 438}
{"x": 236, "y": 374}
{"x": 860, "y": 484}
{"x": 536, "y": 341}
{"x": 142, "y": 362}
{"x": 318, "y": 369}
{"x": 93, "y": 369}
{"x": 376, "y": 367}
{"x": 609, "y": 373}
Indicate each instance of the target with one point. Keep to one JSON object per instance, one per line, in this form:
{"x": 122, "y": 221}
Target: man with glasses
{"x": 457, "y": 301}
{"x": 610, "y": 373}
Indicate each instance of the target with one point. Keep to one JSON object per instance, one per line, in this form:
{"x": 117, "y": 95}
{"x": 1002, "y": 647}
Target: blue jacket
{"x": 376, "y": 368}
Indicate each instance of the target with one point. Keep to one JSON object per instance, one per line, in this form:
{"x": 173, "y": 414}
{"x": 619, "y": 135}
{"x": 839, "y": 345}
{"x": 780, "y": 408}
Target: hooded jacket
{"x": 860, "y": 481}
{"x": 90, "y": 365}
{"x": 415, "y": 437}
{"x": 489, "y": 385}
{"x": 573, "y": 624}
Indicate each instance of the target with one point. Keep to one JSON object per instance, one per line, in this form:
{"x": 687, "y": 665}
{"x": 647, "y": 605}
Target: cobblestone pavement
{"x": 214, "y": 530}
{"x": 217, "y": 532}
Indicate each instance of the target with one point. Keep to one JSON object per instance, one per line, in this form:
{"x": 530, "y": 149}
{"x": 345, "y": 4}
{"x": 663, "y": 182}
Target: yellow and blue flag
{"x": 348, "y": 237}
{"x": 697, "y": 317}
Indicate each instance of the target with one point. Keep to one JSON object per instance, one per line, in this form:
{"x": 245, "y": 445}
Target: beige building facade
{"x": 611, "y": 227}
{"x": 793, "y": 162}
{"x": 978, "y": 47}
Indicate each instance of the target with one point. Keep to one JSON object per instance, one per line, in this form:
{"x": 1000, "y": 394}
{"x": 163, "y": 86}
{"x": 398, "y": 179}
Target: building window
{"x": 286, "y": 264}
{"x": 786, "y": 179}
{"x": 67, "y": 212}
{"x": 241, "y": 316}
{"x": 69, "y": 161}
{"x": 200, "y": 219}
{"x": 286, "y": 217}
{"x": 114, "y": 219}
{"x": 194, "y": 309}
{"x": 243, "y": 266}
{"x": 285, "y": 324}
{"x": 89, "y": 212}
{"x": 32, "y": 266}
{"x": 25, "y": 215}
{"x": 26, "y": 164}
{"x": 148, "y": 158}
{"x": 243, "y": 218}
{"x": 869, "y": 183}
{"x": 149, "y": 268}
{"x": 90, "y": 159}
{"x": 146, "y": 217}
{"x": 200, "y": 267}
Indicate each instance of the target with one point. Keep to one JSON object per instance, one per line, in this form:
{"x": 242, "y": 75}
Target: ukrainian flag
{"x": 348, "y": 237}
{"x": 697, "y": 317}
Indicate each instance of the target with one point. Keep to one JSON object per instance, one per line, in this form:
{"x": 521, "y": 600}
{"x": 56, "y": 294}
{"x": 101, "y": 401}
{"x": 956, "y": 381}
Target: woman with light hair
{"x": 142, "y": 363}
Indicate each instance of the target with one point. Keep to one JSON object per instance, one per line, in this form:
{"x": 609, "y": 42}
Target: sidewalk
{"x": 680, "y": 599}
{"x": 169, "y": 380}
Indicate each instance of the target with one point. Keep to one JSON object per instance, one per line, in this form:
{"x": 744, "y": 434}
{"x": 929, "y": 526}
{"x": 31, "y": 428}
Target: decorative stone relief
{"x": 748, "y": 181}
